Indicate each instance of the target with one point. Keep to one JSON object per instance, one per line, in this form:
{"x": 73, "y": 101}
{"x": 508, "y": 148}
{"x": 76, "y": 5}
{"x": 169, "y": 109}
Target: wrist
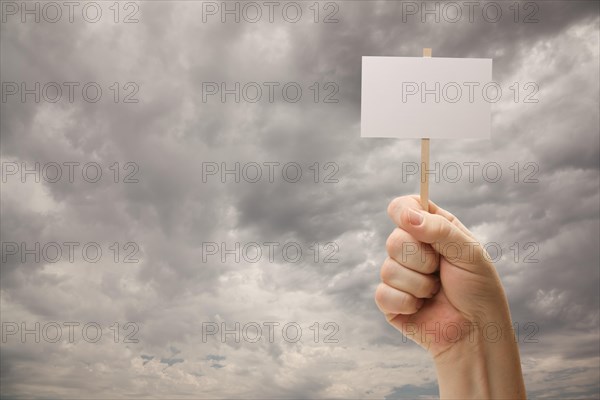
{"x": 480, "y": 365}
{"x": 462, "y": 371}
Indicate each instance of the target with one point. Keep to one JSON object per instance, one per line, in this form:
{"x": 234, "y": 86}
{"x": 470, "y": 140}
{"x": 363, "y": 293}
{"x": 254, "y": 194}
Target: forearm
{"x": 484, "y": 366}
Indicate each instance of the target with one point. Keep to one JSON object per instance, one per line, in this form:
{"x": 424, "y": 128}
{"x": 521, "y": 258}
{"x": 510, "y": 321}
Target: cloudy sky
{"x": 134, "y": 91}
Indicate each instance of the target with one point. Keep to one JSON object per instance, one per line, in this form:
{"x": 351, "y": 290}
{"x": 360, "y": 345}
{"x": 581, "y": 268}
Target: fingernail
{"x": 415, "y": 218}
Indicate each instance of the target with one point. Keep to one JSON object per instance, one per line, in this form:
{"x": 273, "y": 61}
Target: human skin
{"x": 440, "y": 289}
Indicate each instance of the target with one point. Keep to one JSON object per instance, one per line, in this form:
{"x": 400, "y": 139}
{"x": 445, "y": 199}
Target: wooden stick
{"x": 424, "y": 174}
{"x": 425, "y": 160}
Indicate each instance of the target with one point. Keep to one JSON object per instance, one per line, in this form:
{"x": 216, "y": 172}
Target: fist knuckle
{"x": 393, "y": 243}
{"x": 387, "y": 270}
{"x": 393, "y": 206}
{"x": 380, "y": 294}
{"x": 402, "y": 303}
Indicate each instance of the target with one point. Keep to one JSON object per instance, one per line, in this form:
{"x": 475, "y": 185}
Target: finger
{"x": 411, "y": 253}
{"x": 393, "y": 301}
{"x": 413, "y": 201}
{"x": 435, "y": 209}
{"x": 409, "y": 281}
{"x": 397, "y": 320}
{"x": 445, "y": 237}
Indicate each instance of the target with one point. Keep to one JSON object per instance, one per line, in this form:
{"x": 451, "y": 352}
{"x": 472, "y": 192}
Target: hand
{"x": 440, "y": 289}
{"x": 436, "y": 272}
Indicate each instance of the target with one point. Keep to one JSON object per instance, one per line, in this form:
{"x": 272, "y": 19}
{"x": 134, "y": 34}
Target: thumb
{"x": 446, "y": 238}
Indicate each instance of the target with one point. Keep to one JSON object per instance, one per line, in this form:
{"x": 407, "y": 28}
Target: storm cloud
{"x": 235, "y": 189}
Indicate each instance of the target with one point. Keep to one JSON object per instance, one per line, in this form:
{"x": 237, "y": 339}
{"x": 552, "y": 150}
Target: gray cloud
{"x": 170, "y": 293}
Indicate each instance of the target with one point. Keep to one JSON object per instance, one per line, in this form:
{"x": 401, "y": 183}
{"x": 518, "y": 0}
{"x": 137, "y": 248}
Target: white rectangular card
{"x": 422, "y": 97}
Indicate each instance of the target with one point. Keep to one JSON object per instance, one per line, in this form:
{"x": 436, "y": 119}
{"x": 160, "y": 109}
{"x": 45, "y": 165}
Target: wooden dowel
{"x": 424, "y": 192}
{"x": 425, "y": 174}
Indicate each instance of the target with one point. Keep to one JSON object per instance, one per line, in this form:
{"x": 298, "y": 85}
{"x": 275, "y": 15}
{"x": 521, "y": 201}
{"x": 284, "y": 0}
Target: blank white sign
{"x": 421, "y": 97}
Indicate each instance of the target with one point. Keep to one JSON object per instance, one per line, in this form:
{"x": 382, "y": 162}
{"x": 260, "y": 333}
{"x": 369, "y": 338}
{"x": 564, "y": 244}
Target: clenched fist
{"x": 440, "y": 289}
